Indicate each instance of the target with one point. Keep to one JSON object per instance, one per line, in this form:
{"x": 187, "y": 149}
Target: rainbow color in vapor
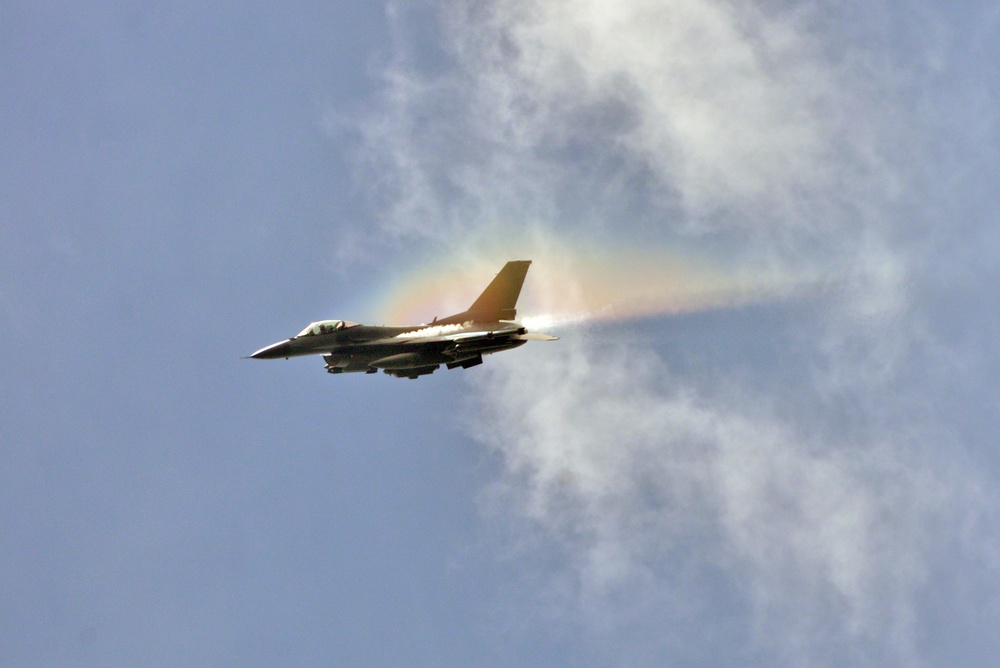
{"x": 568, "y": 283}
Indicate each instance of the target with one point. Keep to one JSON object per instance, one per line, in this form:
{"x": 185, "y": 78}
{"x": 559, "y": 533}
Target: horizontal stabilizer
{"x": 534, "y": 336}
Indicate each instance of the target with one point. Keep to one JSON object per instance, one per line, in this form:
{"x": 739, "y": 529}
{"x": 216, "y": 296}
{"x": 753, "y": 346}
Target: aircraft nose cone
{"x": 273, "y": 351}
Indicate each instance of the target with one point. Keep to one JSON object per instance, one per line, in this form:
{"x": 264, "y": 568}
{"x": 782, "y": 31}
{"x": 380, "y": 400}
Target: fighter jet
{"x": 458, "y": 340}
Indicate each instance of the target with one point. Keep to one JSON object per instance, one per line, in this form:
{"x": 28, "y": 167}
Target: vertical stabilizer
{"x": 498, "y": 299}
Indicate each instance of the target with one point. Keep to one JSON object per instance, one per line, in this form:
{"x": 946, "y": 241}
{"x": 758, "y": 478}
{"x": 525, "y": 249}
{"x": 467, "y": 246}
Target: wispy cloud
{"x": 757, "y": 136}
{"x": 637, "y": 473}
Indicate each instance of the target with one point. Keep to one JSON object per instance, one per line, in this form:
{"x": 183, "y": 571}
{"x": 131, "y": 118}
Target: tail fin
{"x": 498, "y": 299}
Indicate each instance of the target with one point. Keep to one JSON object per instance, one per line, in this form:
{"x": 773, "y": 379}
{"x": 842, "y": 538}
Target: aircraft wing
{"x": 470, "y": 337}
{"x": 466, "y": 336}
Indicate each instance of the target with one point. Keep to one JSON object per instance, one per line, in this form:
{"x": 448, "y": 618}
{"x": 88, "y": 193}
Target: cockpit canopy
{"x": 325, "y": 327}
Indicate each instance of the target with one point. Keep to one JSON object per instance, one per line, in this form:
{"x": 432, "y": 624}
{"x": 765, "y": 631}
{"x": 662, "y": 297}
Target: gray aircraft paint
{"x": 457, "y": 341}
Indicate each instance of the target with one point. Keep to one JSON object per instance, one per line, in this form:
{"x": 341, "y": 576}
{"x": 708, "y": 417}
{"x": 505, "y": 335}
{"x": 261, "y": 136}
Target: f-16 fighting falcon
{"x": 459, "y": 340}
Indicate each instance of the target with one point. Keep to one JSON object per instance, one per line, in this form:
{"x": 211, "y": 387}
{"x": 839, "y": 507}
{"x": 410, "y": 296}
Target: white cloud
{"x": 621, "y": 462}
{"x": 717, "y": 102}
{"x": 748, "y": 131}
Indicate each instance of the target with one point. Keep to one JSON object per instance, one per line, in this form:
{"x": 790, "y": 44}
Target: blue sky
{"x": 795, "y": 466}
